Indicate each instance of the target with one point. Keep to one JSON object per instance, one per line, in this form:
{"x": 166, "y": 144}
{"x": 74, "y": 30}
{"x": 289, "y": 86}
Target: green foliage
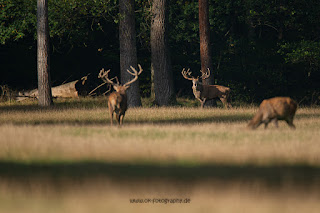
{"x": 68, "y": 19}
{"x": 17, "y": 18}
{"x": 184, "y": 20}
{"x": 143, "y": 20}
{"x": 305, "y": 55}
{"x": 74, "y": 19}
{"x": 307, "y": 52}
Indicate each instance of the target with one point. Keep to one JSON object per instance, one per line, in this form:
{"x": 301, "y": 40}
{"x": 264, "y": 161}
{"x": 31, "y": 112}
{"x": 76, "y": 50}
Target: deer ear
{"x": 126, "y": 86}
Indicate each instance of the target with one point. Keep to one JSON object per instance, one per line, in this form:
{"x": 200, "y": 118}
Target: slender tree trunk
{"x": 160, "y": 55}
{"x": 44, "y": 81}
{"x": 128, "y": 50}
{"x": 205, "y": 51}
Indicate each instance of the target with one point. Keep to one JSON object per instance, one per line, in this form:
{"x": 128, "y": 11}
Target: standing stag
{"x": 117, "y": 100}
{"x": 207, "y": 92}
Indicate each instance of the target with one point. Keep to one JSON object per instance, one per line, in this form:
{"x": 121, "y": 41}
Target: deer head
{"x": 195, "y": 80}
{"x": 117, "y": 86}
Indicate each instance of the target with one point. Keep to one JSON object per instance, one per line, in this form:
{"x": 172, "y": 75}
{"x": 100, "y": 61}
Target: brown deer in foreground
{"x": 117, "y": 100}
{"x": 274, "y": 109}
{"x": 207, "y": 92}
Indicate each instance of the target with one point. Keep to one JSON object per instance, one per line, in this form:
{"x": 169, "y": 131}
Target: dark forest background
{"x": 260, "y": 48}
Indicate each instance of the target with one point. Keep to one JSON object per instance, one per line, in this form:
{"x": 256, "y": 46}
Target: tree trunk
{"x": 128, "y": 50}
{"x": 152, "y": 95}
{"x": 160, "y": 58}
{"x": 44, "y": 81}
{"x": 205, "y": 52}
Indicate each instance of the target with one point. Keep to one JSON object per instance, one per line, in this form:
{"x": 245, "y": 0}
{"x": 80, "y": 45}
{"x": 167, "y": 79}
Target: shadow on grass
{"x": 60, "y": 105}
{"x": 195, "y": 120}
{"x": 279, "y": 175}
{"x": 106, "y": 121}
{"x": 165, "y": 121}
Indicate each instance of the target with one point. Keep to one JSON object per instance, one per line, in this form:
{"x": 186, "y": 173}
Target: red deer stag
{"x": 207, "y": 92}
{"x": 117, "y": 100}
{"x": 274, "y": 109}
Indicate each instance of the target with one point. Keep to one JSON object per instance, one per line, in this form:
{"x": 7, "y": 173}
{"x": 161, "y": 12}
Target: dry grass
{"x": 69, "y": 159}
{"x": 160, "y": 135}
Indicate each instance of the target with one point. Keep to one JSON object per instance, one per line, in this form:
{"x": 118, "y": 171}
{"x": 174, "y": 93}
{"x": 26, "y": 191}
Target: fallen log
{"x": 72, "y": 89}
{"x": 67, "y": 90}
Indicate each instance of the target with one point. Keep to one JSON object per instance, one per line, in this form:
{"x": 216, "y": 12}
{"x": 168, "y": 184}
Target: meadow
{"x": 69, "y": 159}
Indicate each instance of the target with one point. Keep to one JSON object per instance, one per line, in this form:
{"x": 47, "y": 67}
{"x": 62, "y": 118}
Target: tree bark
{"x": 205, "y": 50}
{"x": 43, "y": 65}
{"x": 160, "y": 58}
{"x": 204, "y": 32}
{"x": 128, "y": 50}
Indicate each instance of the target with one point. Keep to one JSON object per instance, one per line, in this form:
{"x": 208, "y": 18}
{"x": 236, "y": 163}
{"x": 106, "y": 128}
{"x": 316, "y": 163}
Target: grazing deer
{"x": 207, "y": 92}
{"x": 117, "y": 100}
{"x": 274, "y": 109}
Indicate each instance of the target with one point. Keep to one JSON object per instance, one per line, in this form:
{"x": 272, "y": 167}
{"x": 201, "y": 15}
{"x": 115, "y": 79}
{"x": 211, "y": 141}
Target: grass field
{"x": 69, "y": 159}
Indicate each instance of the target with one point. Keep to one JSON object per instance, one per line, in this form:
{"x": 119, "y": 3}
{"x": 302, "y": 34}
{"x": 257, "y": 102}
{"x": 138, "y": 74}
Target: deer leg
{"x": 200, "y": 101}
{"x": 229, "y": 101}
{"x": 203, "y": 102}
{"x": 111, "y": 118}
{"x": 275, "y": 121}
{"x": 266, "y": 121}
{"x": 224, "y": 102}
{"x": 290, "y": 123}
{"x": 111, "y": 114}
{"x": 121, "y": 118}
{"x": 118, "y": 118}
{"x": 256, "y": 125}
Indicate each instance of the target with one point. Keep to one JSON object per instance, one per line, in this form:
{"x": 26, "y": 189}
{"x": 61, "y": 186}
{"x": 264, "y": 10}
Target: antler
{"x": 135, "y": 73}
{"x": 104, "y": 76}
{"x": 205, "y": 75}
{"x": 186, "y": 74}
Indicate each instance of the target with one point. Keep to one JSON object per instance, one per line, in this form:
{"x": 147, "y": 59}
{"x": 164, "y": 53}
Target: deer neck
{"x": 197, "y": 90}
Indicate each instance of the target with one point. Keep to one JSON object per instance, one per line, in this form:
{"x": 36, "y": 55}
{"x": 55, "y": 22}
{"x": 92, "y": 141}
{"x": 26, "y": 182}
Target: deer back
{"x": 214, "y": 91}
{"x": 278, "y": 107}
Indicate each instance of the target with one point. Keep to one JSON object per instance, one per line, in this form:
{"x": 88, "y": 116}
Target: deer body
{"x": 207, "y": 92}
{"x": 274, "y": 109}
{"x": 117, "y": 103}
{"x": 117, "y": 100}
